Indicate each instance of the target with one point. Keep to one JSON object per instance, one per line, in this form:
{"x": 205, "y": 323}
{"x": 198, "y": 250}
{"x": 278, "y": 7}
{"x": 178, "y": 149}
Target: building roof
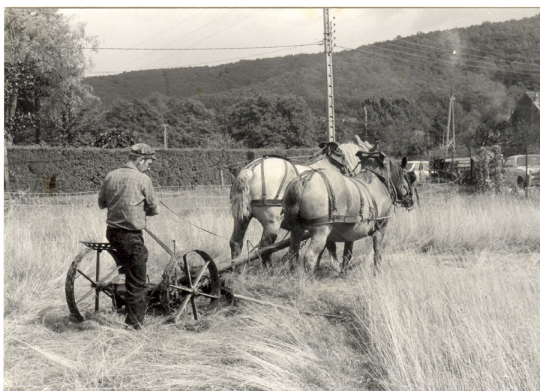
{"x": 534, "y": 97}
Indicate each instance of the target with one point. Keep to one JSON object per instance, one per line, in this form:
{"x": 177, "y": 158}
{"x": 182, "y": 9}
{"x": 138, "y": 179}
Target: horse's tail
{"x": 291, "y": 203}
{"x": 240, "y": 195}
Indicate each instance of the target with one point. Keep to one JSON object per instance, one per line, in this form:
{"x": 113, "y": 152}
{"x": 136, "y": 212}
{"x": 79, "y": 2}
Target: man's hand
{"x": 151, "y": 210}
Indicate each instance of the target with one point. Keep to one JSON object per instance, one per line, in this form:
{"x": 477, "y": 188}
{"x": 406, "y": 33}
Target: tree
{"x": 271, "y": 121}
{"x": 193, "y": 125}
{"x": 138, "y": 116}
{"x": 77, "y": 118}
{"x": 44, "y": 66}
{"x": 117, "y": 138}
{"x": 398, "y": 124}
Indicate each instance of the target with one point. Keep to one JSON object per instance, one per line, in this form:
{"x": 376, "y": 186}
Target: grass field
{"x": 455, "y": 308}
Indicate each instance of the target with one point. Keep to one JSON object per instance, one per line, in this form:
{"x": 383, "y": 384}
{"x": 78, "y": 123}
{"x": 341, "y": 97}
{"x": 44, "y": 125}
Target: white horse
{"x": 259, "y": 188}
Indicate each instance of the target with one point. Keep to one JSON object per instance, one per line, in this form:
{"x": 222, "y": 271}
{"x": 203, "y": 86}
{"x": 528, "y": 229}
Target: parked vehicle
{"x": 452, "y": 169}
{"x": 420, "y": 168}
{"x": 514, "y": 170}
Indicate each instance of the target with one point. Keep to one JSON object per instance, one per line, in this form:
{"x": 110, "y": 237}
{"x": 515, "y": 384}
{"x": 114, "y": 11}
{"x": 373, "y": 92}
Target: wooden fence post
{"x": 221, "y": 177}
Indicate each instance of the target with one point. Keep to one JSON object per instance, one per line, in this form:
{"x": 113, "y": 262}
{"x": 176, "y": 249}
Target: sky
{"x": 217, "y": 36}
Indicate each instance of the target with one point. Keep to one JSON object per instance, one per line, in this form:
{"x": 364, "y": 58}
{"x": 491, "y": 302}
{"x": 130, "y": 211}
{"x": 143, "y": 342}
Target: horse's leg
{"x": 294, "y": 246}
{"x": 331, "y": 246}
{"x": 270, "y": 219}
{"x": 347, "y": 255}
{"x": 318, "y": 234}
{"x": 332, "y": 250}
{"x": 237, "y": 238}
{"x": 378, "y": 238}
{"x": 269, "y": 236}
{"x": 319, "y": 259}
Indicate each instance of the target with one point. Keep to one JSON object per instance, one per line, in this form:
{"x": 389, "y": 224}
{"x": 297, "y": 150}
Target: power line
{"x": 461, "y": 49}
{"x": 186, "y": 49}
{"x": 241, "y": 20}
{"x": 470, "y": 49}
{"x": 487, "y": 60}
{"x": 448, "y": 61}
{"x": 146, "y": 40}
{"x": 240, "y": 58}
{"x": 432, "y": 60}
{"x": 141, "y": 57}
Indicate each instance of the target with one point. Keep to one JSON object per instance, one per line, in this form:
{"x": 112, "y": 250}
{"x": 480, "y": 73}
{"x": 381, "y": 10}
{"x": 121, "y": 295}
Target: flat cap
{"x": 143, "y": 150}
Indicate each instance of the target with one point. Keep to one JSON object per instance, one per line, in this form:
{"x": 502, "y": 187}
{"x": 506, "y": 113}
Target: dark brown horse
{"x": 333, "y": 207}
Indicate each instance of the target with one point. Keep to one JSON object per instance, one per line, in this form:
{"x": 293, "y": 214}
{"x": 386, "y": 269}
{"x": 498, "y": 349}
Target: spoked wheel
{"x": 190, "y": 279}
{"x": 92, "y": 281}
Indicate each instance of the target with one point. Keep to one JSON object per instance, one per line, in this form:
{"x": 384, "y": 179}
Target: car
{"x": 420, "y": 168}
{"x": 514, "y": 170}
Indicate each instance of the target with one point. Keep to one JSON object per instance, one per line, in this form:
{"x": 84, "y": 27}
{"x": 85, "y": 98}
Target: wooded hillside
{"x": 396, "y": 92}
{"x": 488, "y": 67}
{"x": 493, "y": 61}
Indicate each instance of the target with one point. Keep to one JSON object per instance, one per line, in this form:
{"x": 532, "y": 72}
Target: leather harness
{"x": 336, "y": 157}
{"x": 330, "y": 149}
{"x": 333, "y": 216}
{"x": 275, "y": 201}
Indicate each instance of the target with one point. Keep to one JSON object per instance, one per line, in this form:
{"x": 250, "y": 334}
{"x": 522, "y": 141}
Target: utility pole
{"x": 328, "y": 48}
{"x": 446, "y": 140}
{"x": 365, "y": 123}
{"x": 165, "y": 135}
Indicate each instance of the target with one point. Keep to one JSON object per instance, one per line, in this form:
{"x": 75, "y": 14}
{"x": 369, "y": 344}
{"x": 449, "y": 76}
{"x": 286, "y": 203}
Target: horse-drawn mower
{"x": 190, "y": 278}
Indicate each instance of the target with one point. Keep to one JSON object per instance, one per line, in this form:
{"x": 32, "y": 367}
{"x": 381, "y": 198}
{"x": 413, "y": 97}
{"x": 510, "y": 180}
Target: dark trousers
{"x": 133, "y": 255}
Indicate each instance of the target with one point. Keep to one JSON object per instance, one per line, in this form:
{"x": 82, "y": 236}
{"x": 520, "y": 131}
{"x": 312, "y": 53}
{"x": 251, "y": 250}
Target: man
{"x": 128, "y": 195}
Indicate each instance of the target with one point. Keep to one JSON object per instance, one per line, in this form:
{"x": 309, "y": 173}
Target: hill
{"x": 488, "y": 66}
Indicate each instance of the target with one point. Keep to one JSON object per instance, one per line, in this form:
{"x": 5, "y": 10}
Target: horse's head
{"x": 391, "y": 174}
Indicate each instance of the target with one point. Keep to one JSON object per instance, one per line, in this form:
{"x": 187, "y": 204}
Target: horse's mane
{"x": 396, "y": 173}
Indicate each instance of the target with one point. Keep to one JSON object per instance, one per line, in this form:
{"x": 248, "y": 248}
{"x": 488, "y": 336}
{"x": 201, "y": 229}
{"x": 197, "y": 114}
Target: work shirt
{"x": 129, "y": 197}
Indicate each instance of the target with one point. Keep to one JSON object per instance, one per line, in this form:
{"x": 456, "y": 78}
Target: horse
{"x": 259, "y": 187}
{"x": 333, "y": 207}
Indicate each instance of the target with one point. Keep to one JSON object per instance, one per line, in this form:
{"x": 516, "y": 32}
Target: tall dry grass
{"x": 455, "y": 308}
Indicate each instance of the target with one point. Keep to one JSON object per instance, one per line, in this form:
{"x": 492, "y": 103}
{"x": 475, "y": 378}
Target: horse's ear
{"x": 333, "y": 145}
{"x": 358, "y": 140}
{"x": 404, "y": 162}
{"x": 375, "y": 147}
{"x": 368, "y": 145}
{"x": 382, "y": 156}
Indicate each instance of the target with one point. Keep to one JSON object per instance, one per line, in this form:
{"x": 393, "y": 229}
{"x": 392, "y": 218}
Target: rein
{"x": 392, "y": 188}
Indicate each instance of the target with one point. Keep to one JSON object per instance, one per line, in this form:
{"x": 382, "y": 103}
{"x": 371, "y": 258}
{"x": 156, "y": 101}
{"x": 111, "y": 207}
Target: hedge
{"x": 70, "y": 170}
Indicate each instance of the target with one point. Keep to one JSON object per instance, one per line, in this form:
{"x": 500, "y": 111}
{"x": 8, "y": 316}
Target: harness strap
{"x": 373, "y": 211}
{"x": 266, "y": 202}
{"x": 276, "y": 201}
{"x": 331, "y": 194}
{"x": 386, "y": 182}
{"x": 340, "y": 161}
{"x": 332, "y": 216}
{"x": 283, "y": 180}
{"x": 262, "y": 179}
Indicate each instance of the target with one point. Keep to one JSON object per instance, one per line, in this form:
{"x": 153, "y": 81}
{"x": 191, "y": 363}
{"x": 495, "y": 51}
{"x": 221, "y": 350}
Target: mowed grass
{"x": 455, "y": 307}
